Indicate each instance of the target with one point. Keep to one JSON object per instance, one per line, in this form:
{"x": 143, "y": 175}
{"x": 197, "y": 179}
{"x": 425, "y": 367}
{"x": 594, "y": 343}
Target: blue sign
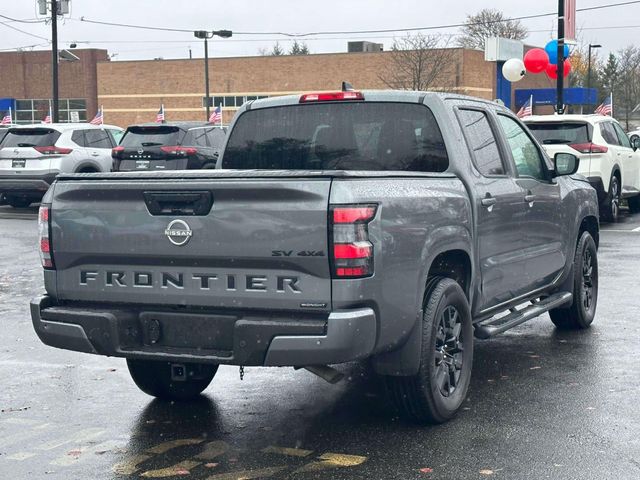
{"x": 547, "y": 96}
{"x": 6, "y": 103}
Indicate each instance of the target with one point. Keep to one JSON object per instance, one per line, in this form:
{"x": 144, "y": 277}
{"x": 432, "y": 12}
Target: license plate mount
{"x": 18, "y": 163}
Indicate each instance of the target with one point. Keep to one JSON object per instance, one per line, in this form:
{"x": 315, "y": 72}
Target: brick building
{"x": 132, "y": 91}
{"x": 25, "y": 78}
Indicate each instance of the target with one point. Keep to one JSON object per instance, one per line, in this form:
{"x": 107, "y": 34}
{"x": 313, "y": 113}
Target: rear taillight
{"x": 53, "y": 150}
{"x": 181, "y": 151}
{"x": 589, "y": 148}
{"x": 331, "y": 96}
{"x": 116, "y": 152}
{"x": 44, "y": 231}
{"x": 351, "y": 250}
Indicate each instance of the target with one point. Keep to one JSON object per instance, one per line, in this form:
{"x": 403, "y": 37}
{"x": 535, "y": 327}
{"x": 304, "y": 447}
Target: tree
{"x": 299, "y": 48}
{"x": 626, "y": 90}
{"x": 420, "y": 62}
{"x": 609, "y": 74}
{"x": 490, "y": 23}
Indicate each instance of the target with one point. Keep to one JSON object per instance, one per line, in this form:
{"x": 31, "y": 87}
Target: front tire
{"x": 154, "y": 378}
{"x": 436, "y": 392}
{"x": 610, "y": 208}
{"x": 580, "y": 314}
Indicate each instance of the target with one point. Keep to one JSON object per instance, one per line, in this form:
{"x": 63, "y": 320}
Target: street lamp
{"x": 591, "y": 46}
{"x": 205, "y": 35}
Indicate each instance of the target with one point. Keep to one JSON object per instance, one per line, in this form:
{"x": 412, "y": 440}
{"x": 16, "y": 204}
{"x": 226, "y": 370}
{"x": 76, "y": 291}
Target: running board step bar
{"x": 494, "y": 326}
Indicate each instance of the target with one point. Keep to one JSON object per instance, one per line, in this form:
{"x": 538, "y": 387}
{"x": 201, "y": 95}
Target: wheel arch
{"x": 86, "y": 164}
{"x": 452, "y": 260}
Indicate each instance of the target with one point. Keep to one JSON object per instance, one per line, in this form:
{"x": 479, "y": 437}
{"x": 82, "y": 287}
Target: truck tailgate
{"x": 262, "y": 244}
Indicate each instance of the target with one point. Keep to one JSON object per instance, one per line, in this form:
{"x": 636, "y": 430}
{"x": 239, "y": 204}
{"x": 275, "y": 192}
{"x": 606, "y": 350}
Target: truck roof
{"x": 409, "y": 96}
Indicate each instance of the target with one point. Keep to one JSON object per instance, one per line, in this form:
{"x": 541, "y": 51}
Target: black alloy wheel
{"x": 449, "y": 351}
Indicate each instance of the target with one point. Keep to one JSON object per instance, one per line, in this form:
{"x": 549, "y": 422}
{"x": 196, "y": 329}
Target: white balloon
{"x": 514, "y": 70}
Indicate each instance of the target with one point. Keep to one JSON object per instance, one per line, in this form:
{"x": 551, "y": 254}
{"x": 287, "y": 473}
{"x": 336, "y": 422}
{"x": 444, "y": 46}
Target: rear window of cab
{"x": 338, "y": 136}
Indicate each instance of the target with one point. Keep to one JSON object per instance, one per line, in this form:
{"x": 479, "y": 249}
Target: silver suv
{"x": 32, "y": 155}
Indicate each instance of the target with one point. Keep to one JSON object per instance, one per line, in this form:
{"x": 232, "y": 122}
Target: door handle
{"x": 95, "y": 154}
{"x": 488, "y": 202}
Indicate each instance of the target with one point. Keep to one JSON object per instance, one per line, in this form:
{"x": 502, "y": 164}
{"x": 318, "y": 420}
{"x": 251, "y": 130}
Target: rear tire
{"x": 610, "y": 208}
{"x": 19, "y": 202}
{"x": 634, "y": 204}
{"x": 154, "y": 378}
{"x": 580, "y": 314}
{"x": 436, "y": 392}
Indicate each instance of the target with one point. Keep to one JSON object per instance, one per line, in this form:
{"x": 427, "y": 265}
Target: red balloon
{"x": 536, "y": 60}
{"x": 552, "y": 70}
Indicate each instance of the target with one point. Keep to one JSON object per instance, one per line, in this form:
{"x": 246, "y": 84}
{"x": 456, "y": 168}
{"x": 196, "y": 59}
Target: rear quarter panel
{"x": 417, "y": 219}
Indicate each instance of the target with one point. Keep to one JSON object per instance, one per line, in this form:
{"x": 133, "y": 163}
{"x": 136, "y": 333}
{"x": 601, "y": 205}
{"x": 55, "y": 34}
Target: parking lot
{"x": 542, "y": 403}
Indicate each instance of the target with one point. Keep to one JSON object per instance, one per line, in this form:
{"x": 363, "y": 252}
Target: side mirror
{"x": 635, "y": 142}
{"x": 565, "y": 164}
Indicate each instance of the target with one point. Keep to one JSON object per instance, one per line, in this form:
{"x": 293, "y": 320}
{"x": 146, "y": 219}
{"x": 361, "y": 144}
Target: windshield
{"x": 338, "y": 136}
{"x": 560, "y": 133}
{"x": 151, "y": 137}
{"x": 30, "y": 137}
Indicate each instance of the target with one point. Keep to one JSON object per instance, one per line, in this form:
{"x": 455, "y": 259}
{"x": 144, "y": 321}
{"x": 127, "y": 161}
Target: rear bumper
{"x": 26, "y": 184}
{"x": 232, "y": 339}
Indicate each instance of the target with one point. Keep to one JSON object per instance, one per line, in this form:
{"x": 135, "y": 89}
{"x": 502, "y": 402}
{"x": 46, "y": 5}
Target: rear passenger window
{"x": 608, "y": 133}
{"x": 197, "y": 138}
{"x": 482, "y": 142}
{"x": 78, "y": 138}
{"x": 97, "y": 138}
{"x": 216, "y": 137}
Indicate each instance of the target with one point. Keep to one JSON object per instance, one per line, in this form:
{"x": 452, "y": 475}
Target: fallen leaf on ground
{"x": 183, "y": 472}
{"x": 535, "y": 368}
{"x": 486, "y": 472}
{"x": 211, "y": 465}
{"x": 74, "y": 453}
{"x": 426, "y": 470}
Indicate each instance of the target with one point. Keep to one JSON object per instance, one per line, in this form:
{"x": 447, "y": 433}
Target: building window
{"x": 230, "y": 102}
{"x": 35, "y": 110}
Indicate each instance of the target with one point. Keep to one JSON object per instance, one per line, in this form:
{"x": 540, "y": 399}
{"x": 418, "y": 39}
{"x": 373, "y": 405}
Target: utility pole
{"x": 591, "y": 47}
{"x": 205, "y": 35}
{"x": 54, "y": 60}
{"x": 560, "y": 81}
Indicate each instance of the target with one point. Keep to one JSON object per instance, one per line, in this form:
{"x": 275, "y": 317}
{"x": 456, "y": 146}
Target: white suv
{"x": 32, "y": 155}
{"x": 607, "y": 157}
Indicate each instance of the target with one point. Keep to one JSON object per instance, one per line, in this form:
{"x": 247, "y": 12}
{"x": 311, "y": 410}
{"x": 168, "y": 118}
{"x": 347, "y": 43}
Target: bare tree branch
{"x": 420, "y": 62}
{"x": 490, "y": 23}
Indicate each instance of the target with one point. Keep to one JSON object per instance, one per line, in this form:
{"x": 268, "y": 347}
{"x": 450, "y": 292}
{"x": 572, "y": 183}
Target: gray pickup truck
{"x": 388, "y": 226}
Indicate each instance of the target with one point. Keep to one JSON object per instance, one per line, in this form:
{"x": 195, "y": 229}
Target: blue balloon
{"x": 552, "y": 50}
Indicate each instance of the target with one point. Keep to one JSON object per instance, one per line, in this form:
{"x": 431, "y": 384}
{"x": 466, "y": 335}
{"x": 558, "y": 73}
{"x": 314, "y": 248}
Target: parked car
{"x": 169, "y": 146}
{"x": 634, "y": 135}
{"x": 388, "y": 226}
{"x": 31, "y": 156}
{"x": 608, "y": 159}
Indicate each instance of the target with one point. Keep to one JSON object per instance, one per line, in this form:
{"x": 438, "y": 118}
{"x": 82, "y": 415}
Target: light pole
{"x": 54, "y": 60}
{"x": 205, "y": 35}
{"x": 591, "y": 46}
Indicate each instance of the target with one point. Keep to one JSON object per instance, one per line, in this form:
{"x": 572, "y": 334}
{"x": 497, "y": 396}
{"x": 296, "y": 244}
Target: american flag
{"x": 216, "y": 115}
{"x": 7, "y": 119}
{"x": 527, "y": 109}
{"x": 160, "y": 114}
{"x": 99, "y": 118}
{"x": 606, "y": 108}
{"x": 47, "y": 119}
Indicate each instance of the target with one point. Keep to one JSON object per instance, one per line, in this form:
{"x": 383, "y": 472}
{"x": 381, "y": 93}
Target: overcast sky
{"x": 288, "y": 16}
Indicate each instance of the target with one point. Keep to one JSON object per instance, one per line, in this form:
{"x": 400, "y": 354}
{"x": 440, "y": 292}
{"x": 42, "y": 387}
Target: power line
{"x": 22, "y": 31}
{"x": 18, "y": 20}
{"x": 350, "y": 32}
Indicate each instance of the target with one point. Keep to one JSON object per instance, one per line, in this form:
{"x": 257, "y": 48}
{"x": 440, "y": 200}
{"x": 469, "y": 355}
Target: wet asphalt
{"x": 542, "y": 403}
